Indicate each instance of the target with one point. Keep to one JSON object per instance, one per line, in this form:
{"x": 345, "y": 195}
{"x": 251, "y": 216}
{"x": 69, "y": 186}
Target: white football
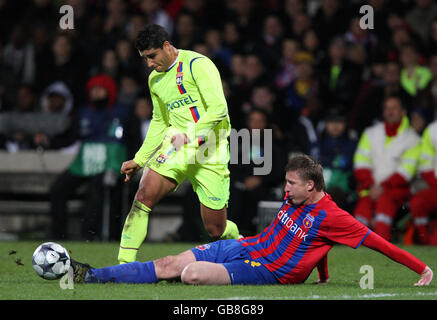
{"x": 51, "y": 261}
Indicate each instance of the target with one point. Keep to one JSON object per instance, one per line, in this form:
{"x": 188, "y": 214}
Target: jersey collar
{"x": 174, "y": 63}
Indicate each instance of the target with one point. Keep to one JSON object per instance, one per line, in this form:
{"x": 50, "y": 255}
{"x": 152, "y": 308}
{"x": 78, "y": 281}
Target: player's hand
{"x": 178, "y": 140}
{"x": 129, "y": 168}
{"x": 425, "y": 278}
{"x": 322, "y": 281}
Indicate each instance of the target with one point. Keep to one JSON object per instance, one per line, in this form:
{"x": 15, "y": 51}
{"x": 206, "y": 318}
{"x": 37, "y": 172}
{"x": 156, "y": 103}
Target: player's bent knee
{"x": 191, "y": 274}
{"x": 215, "y": 231}
{"x": 145, "y": 199}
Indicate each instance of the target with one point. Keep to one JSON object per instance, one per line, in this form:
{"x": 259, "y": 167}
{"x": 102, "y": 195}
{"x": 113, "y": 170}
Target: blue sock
{"x": 134, "y": 272}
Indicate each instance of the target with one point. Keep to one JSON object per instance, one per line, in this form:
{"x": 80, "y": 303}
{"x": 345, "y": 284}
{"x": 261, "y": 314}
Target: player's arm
{"x": 322, "y": 269}
{"x": 349, "y": 231}
{"x": 208, "y": 80}
{"x": 376, "y": 242}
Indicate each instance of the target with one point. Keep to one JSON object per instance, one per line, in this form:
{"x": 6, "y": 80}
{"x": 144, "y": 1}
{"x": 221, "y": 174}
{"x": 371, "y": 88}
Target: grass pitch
{"x": 18, "y": 280}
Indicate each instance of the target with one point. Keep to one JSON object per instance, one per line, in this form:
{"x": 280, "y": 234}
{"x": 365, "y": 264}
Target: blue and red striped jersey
{"x": 300, "y": 236}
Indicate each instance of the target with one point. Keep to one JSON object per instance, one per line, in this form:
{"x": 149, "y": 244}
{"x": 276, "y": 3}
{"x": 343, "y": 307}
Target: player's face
{"x": 298, "y": 189}
{"x": 158, "y": 59}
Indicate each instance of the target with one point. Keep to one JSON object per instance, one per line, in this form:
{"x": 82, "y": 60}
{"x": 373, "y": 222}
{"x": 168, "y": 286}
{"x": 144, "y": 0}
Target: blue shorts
{"x": 236, "y": 259}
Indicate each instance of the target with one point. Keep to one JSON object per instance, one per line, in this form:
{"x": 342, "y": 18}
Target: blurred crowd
{"x": 304, "y": 68}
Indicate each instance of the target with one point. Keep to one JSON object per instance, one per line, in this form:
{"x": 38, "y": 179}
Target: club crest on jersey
{"x": 179, "y": 78}
{"x": 308, "y": 221}
{"x": 161, "y": 158}
{"x": 203, "y": 247}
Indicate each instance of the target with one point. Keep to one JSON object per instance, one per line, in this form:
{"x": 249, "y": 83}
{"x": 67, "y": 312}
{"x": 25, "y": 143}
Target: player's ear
{"x": 166, "y": 45}
{"x": 310, "y": 185}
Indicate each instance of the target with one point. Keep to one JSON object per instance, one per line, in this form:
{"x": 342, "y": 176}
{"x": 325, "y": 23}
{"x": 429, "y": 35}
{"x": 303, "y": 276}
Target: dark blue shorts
{"x": 235, "y": 258}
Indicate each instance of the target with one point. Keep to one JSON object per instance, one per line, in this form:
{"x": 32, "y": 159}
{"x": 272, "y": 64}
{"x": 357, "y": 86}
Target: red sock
{"x": 376, "y": 242}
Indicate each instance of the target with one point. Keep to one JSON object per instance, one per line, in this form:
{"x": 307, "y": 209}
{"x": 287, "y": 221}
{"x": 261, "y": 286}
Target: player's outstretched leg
{"x": 169, "y": 267}
{"x": 153, "y": 187}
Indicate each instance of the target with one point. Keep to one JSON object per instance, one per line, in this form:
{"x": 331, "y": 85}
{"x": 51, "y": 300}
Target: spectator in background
{"x": 57, "y": 100}
{"x": 286, "y": 73}
{"x": 339, "y": 78}
{"x": 420, "y": 118}
{"x": 18, "y": 138}
{"x": 19, "y": 59}
{"x": 303, "y": 88}
{"x": 138, "y": 124}
{"x": 432, "y": 41}
{"x": 254, "y": 73}
{"x": 186, "y": 33}
{"x": 427, "y": 97}
{"x": 67, "y": 65}
{"x": 400, "y": 37}
{"x": 116, "y": 19}
{"x": 134, "y": 25}
{"x": 368, "y": 105}
{"x": 311, "y": 44}
{"x": 7, "y": 83}
{"x": 384, "y": 165}
{"x": 336, "y": 151}
{"x": 221, "y": 55}
{"x": 291, "y": 9}
{"x": 248, "y": 189}
{"x": 424, "y": 202}
{"x": 414, "y": 77}
{"x": 232, "y": 38}
{"x": 154, "y": 13}
{"x": 110, "y": 65}
{"x": 93, "y": 41}
{"x": 247, "y": 17}
{"x": 264, "y": 98}
{"x": 356, "y": 35}
{"x": 98, "y": 161}
{"x": 267, "y": 46}
{"x": 330, "y": 20}
{"x": 301, "y": 24}
{"x": 130, "y": 89}
{"x": 128, "y": 60}
{"x": 420, "y": 18}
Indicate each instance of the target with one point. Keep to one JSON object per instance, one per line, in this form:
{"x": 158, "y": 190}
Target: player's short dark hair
{"x": 152, "y": 36}
{"x": 308, "y": 169}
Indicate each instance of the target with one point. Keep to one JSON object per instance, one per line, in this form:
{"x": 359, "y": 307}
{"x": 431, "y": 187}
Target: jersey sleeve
{"x": 155, "y": 133}
{"x": 207, "y": 79}
{"x": 345, "y": 229}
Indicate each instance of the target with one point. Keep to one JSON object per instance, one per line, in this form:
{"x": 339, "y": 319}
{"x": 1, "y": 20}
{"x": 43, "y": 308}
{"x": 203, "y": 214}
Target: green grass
{"x": 391, "y": 281}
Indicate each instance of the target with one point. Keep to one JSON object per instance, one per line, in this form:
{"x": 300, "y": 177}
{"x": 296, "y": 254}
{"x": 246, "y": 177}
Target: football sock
{"x": 134, "y": 232}
{"x": 376, "y": 242}
{"x": 231, "y": 231}
{"x": 133, "y": 272}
